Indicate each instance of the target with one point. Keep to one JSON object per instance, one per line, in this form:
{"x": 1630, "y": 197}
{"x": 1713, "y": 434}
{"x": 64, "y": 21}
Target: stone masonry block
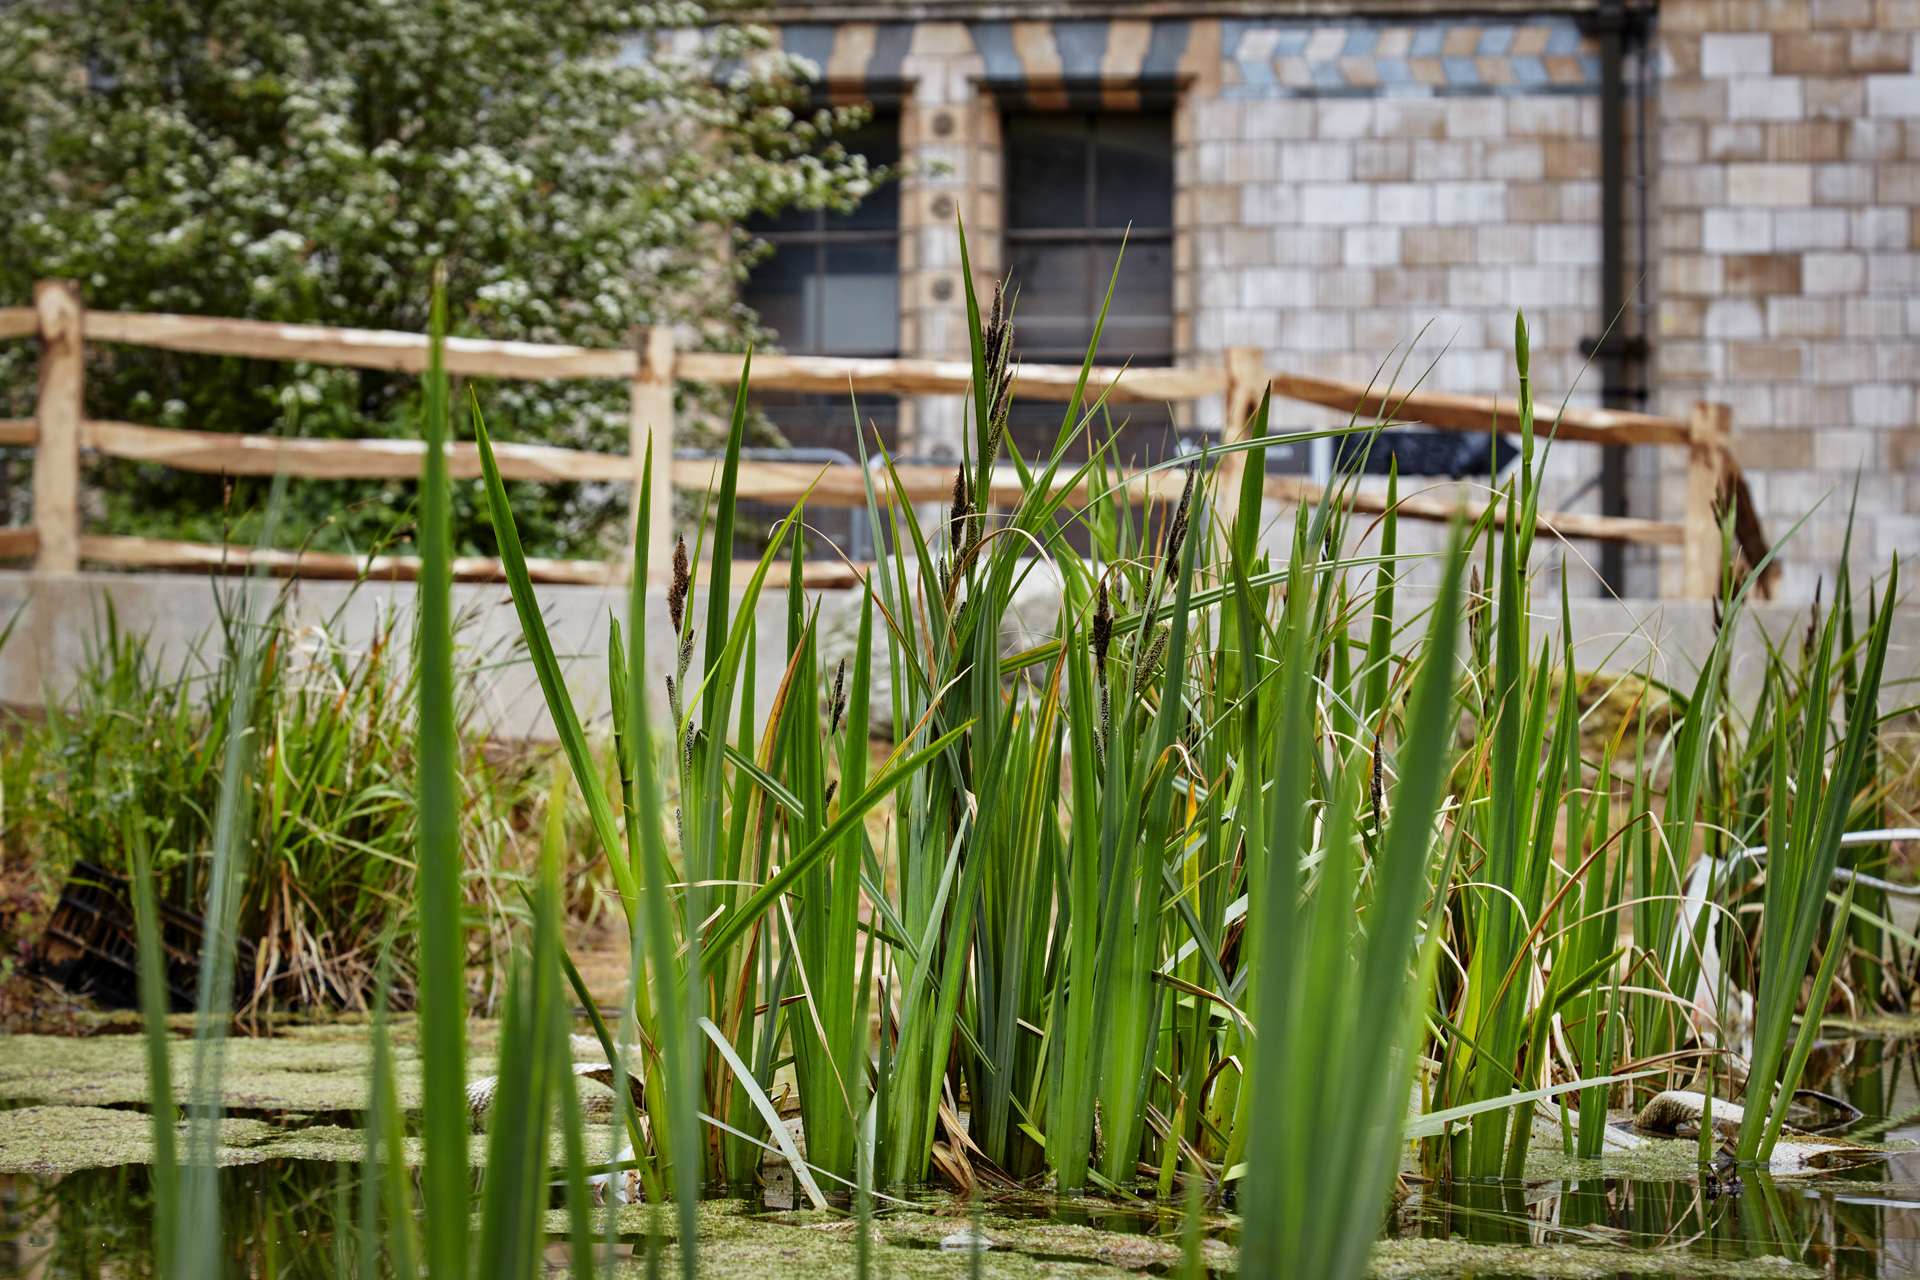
{"x": 1317, "y": 162}
{"x": 1845, "y": 362}
{"x": 1570, "y": 244}
{"x": 1284, "y": 119}
{"x": 1579, "y": 202}
{"x": 1834, "y": 272}
{"x": 1804, "y": 317}
{"x": 1371, "y": 246}
{"x": 1789, "y": 450}
{"x": 1680, "y": 230}
{"x": 1683, "y": 317}
{"x": 1694, "y": 99}
{"x": 1694, "y": 15}
{"x": 1804, "y": 404}
{"x": 1766, "y": 98}
{"x": 1535, "y": 201}
{"x": 1690, "y": 361}
{"x": 1835, "y": 97}
{"x": 1731, "y": 318}
{"x": 1872, "y": 139}
{"x": 1699, "y": 274}
{"x": 1343, "y": 117}
{"x": 1543, "y": 117}
{"x": 1843, "y": 184}
{"x": 1896, "y": 13}
{"x": 1523, "y": 161}
{"x": 1797, "y": 229}
{"x": 1411, "y": 287}
{"x": 1740, "y": 140}
{"x": 1341, "y": 287}
{"x": 1693, "y": 186}
{"x": 1769, "y": 184}
{"x": 1842, "y": 13}
{"x": 1275, "y": 287}
{"x": 1383, "y": 160}
{"x": 1468, "y": 202}
{"x": 1758, "y": 274}
{"x": 1882, "y": 227}
{"x": 1269, "y": 203}
{"x": 1336, "y": 203}
{"x": 1252, "y": 162}
{"x": 1684, "y": 142}
{"x": 1437, "y": 246}
{"x": 1874, "y": 317}
{"x": 1736, "y": 231}
{"x": 1509, "y": 245}
{"x": 1763, "y": 361}
{"x": 1572, "y": 158}
{"x": 1552, "y": 286}
{"x": 1445, "y": 161}
{"x": 1725, "y": 54}
{"x": 1811, "y": 53}
{"x": 1893, "y": 95}
{"x": 1802, "y": 140}
{"x": 1884, "y": 52}
{"x": 1411, "y": 118}
{"x": 1682, "y": 55}
{"x": 1477, "y": 286}
{"x": 1404, "y": 203}
{"x": 1769, "y": 15}
{"x": 1304, "y": 246}
{"x": 1476, "y": 117}
{"x": 1899, "y": 184}
{"x": 1883, "y": 404}
{"x": 1893, "y": 273}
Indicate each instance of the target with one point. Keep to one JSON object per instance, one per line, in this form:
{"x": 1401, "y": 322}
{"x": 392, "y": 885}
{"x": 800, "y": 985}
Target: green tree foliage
{"x": 578, "y": 165}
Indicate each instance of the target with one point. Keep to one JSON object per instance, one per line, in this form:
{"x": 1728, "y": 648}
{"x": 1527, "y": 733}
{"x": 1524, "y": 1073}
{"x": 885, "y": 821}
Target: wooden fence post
{"x": 1246, "y": 383}
{"x": 1709, "y": 430}
{"x": 60, "y": 413}
{"x": 651, "y": 413}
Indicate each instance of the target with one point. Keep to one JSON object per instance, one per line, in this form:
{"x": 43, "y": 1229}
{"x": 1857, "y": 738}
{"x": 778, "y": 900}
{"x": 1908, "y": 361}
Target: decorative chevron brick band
{"x": 1086, "y": 65}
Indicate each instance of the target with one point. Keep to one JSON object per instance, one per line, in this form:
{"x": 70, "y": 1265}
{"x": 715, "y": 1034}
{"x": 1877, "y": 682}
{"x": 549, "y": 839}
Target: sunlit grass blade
{"x": 442, "y": 964}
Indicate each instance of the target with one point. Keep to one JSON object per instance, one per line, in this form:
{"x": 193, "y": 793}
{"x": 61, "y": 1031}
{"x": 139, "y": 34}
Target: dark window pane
{"x": 1140, "y": 318}
{"x": 787, "y": 220}
{"x": 780, "y": 291}
{"x": 879, "y": 141}
{"x": 1053, "y": 285}
{"x": 1046, "y": 171}
{"x": 1133, "y": 171}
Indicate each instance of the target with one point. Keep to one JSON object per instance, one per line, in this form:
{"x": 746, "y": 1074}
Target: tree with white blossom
{"x": 578, "y": 167}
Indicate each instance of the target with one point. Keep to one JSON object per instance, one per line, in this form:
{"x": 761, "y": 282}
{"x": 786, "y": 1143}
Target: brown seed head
{"x": 682, "y": 580}
{"x": 1102, "y": 631}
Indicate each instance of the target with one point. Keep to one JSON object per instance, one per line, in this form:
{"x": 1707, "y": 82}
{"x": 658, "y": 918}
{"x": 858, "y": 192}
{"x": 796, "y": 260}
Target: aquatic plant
{"x": 1188, "y": 899}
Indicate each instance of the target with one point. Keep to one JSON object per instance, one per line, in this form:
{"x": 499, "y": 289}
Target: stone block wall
{"x": 1789, "y": 282}
{"x": 1348, "y": 187}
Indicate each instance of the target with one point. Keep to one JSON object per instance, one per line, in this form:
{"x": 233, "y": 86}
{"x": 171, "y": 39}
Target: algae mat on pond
{"x": 296, "y": 1073}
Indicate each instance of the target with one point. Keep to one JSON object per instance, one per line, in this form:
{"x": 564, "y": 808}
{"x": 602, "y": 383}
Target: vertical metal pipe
{"x": 1615, "y": 393}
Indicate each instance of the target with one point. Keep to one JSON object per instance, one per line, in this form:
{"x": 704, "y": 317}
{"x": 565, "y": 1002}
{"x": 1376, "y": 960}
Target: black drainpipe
{"x": 1618, "y": 354}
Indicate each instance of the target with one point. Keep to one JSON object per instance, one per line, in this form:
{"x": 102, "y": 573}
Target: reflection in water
{"x": 279, "y": 1217}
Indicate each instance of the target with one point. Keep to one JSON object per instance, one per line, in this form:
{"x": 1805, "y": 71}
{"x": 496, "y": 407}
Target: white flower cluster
{"x": 572, "y": 167}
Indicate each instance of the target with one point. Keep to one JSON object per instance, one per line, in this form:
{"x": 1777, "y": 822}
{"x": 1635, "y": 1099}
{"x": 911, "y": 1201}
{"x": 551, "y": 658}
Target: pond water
{"x": 75, "y": 1195}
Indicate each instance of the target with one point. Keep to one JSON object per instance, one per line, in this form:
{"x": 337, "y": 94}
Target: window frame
{"x": 1090, "y": 234}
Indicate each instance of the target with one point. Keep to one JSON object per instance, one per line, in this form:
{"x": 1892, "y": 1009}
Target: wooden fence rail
{"x": 60, "y": 433}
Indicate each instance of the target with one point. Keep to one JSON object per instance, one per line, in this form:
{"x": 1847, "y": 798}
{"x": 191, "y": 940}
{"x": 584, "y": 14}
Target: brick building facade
{"x": 1341, "y": 182}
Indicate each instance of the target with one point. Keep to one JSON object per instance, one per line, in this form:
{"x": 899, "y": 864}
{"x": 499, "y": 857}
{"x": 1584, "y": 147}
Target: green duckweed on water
{"x": 50, "y": 1141}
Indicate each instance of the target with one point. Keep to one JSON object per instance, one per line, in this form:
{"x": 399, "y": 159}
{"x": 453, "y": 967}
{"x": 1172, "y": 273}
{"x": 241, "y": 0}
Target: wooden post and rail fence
{"x": 61, "y": 433}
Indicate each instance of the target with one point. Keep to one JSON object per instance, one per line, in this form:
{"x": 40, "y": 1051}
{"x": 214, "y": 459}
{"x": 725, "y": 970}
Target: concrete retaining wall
{"x": 61, "y": 613}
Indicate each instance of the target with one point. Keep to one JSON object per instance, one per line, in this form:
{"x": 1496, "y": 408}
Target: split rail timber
{"x": 61, "y": 433}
